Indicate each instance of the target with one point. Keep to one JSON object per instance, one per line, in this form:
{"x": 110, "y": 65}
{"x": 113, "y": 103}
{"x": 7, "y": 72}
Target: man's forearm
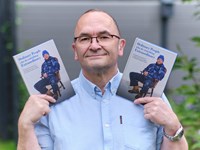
{"x": 27, "y": 139}
{"x": 35, "y": 108}
{"x": 177, "y": 145}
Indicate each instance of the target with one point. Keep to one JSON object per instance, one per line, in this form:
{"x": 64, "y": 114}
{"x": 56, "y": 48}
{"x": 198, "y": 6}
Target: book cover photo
{"x": 147, "y": 70}
{"x": 43, "y": 71}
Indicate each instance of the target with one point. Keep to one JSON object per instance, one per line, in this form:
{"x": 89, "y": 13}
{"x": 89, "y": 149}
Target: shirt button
{"x": 107, "y": 125}
{"x": 106, "y": 101}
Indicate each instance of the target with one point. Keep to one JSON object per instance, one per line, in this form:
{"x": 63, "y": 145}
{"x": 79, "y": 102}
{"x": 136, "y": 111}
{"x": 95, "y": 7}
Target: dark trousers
{"x": 135, "y": 77}
{"x": 41, "y": 85}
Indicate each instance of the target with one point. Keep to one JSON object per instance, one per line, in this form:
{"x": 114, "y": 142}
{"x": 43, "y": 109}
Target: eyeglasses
{"x": 102, "y": 39}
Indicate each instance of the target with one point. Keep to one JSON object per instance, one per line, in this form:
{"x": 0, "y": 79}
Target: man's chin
{"x": 98, "y": 67}
{"x": 97, "y": 62}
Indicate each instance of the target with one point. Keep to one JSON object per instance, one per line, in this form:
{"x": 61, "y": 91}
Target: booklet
{"x": 43, "y": 71}
{"x": 147, "y": 71}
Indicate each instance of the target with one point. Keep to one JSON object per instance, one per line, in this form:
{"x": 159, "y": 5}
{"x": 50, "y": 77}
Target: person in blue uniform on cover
{"x": 49, "y": 71}
{"x": 96, "y": 118}
{"x": 152, "y": 73}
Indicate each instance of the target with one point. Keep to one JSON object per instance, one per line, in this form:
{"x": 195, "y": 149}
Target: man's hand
{"x": 45, "y": 75}
{"x": 36, "y": 107}
{"x": 156, "y": 110}
{"x": 145, "y": 73}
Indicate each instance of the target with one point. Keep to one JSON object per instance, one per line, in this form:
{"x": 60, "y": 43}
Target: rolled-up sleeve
{"x": 43, "y": 134}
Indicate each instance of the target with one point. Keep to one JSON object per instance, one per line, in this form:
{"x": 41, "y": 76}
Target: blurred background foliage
{"x": 185, "y": 99}
{"x": 7, "y": 145}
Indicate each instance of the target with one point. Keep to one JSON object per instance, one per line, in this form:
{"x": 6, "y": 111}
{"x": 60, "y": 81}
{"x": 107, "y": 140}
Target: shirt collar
{"x": 92, "y": 89}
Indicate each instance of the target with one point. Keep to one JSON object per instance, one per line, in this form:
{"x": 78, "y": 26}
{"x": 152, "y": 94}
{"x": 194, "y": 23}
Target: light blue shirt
{"x": 92, "y": 121}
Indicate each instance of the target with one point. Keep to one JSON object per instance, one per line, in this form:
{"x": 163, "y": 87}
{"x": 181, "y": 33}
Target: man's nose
{"x": 94, "y": 39}
{"x": 94, "y": 44}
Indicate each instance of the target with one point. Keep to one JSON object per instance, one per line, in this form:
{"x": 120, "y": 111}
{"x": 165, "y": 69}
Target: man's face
{"x": 97, "y": 56}
{"x": 159, "y": 61}
{"x": 46, "y": 56}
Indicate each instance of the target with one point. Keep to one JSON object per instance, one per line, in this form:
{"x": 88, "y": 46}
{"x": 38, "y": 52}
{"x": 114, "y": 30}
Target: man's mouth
{"x": 96, "y": 55}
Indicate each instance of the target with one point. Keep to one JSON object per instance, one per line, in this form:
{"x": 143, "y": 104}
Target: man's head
{"x": 160, "y": 59}
{"x": 97, "y": 43}
{"x": 45, "y": 54}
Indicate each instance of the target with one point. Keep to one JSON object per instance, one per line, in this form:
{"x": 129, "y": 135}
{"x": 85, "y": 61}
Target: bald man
{"x": 96, "y": 118}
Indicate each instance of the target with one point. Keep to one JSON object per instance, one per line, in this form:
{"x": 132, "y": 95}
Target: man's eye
{"x": 104, "y": 37}
{"x": 82, "y": 39}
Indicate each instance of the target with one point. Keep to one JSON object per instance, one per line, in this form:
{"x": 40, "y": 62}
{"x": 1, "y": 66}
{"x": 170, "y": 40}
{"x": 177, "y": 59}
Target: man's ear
{"x": 122, "y": 44}
{"x": 75, "y": 51}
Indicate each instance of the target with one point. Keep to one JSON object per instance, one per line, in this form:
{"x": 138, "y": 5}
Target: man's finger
{"x": 46, "y": 111}
{"x": 47, "y": 97}
{"x": 143, "y": 100}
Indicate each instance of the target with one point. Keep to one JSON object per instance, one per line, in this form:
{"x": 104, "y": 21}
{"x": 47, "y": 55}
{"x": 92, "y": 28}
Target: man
{"x": 96, "y": 118}
{"x": 150, "y": 75}
{"x": 49, "y": 71}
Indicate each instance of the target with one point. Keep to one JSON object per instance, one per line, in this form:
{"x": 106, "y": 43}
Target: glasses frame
{"x": 96, "y": 37}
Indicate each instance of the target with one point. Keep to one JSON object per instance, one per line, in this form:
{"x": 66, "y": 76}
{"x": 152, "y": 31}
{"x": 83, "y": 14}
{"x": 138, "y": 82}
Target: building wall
{"x": 41, "y": 21}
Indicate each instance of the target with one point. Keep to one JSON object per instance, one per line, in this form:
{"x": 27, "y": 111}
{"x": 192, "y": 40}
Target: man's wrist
{"x": 25, "y": 124}
{"x": 172, "y": 126}
{"x": 171, "y": 130}
{"x": 176, "y": 136}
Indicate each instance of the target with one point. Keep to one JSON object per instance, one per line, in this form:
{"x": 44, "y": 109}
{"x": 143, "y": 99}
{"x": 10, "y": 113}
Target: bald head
{"x": 95, "y": 17}
{"x": 98, "y": 10}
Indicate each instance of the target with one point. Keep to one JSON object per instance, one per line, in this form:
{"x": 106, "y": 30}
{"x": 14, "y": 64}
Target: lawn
{"x": 7, "y": 145}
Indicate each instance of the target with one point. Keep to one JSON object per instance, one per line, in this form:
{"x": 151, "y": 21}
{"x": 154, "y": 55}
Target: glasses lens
{"x": 104, "y": 38}
{"x": 84, "y": 39}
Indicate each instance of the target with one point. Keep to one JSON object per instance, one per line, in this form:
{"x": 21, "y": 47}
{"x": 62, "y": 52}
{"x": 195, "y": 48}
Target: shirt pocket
{"x": 128, "y": 147}
{"x": 139, "y": 138}
{"x": 129, "y": 138}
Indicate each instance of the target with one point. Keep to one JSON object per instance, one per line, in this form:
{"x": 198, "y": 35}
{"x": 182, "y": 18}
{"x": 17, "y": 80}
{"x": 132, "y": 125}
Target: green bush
{"x": 187, "y": 97}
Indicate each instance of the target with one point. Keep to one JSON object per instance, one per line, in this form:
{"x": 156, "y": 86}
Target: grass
{"x": 7, "y": 145}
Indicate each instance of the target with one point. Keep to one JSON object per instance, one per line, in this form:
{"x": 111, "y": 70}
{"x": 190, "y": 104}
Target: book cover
{"x": 147, "y": 70}
{"x": 43, "y": 71}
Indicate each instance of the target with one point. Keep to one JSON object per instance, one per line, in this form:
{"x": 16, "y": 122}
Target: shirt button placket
{"x": 106, "y": 124}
